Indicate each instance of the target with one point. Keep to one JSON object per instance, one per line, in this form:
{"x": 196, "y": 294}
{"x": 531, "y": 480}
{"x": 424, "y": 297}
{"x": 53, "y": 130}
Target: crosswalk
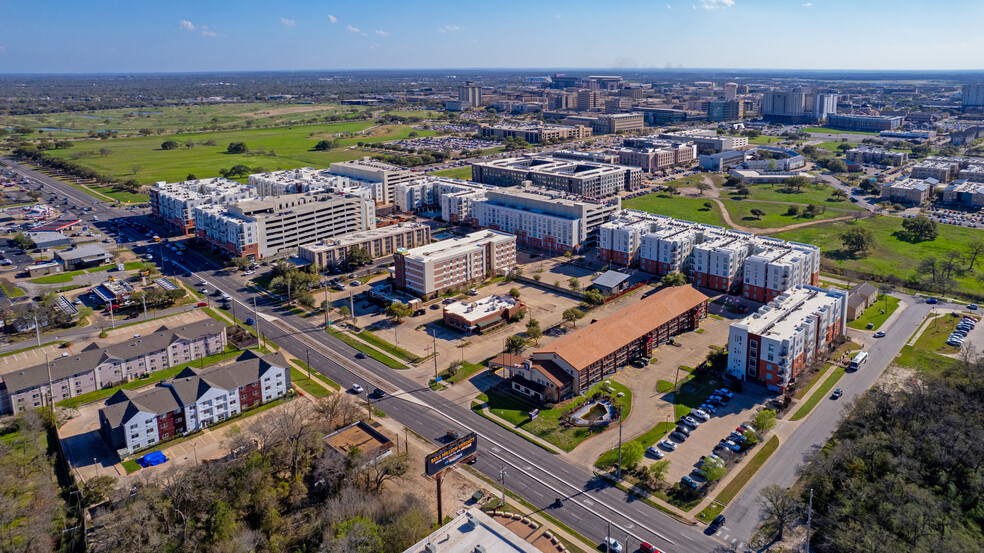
{"x": 725, "y": 536}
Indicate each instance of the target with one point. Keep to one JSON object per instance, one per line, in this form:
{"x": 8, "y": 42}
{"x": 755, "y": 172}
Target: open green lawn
{"x": 835, "y": 131}
{"x": 822, "y": 393}
{"x": 832, "y": 145}
{"x": 58, "y": 278}
{"x": 515, "y": 409}
{"x": 775, "y": 214}
{"x": 688, "y": 209}
{"x": 464, "y": 372}
{"x": 690, "y": 181}
{"x": 886, "y": 257}
{"x": 315, "y": 374}
{"x": 813, "y": 194}
{"x": 933, "y": 338}
{"x": 370, "y": 351}
{"x": 924, "y": 360}
{"x": 308, "y": 385}
{"x": 293, "y": 147}
{"x": 463, "y": 173}
{"x": 9, "y": 289}
{"x": 877, "y": 314}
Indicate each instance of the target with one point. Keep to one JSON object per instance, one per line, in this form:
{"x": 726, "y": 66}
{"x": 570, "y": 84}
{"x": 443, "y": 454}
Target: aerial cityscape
{"x": 465, "y": 278}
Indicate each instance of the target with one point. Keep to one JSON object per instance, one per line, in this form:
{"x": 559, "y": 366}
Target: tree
{"x": 708, "y": 206}
{"x": 533, "y": 331}
{"x": 779, "y": 506}
{"x": 751, "y": 437}
{"x": 358, "y": 257}
{"x": 658, "y": 470}
{"x": 344, "y": 311}
{"x": 129, "y": 185}
{"x": 191, "y": 176}
{"x": 796, "y": 183}
{"x": 715, "y": 470}
{"x": 572, "y": 315}
{"x": 758, "y": 213}
{"x": 97, "y": 489}
{"x": 324, "y": 145}
{"x": 515, "y": 343}
{"x": 574, "y": 284}
{"x": 632, "y": 453}
{"x": 398, "y": 311}
{"x": 240, "y": 263}
{"x": 514, "y": 292}
{"x": 974, "y": 250}
{"x": 23, "y": 241}
{"x": 792, "y": 211}
{"x": 169, "y": 145}
{"x": 389, "y": 468}
{"x": 920, "y": 228}
{"x": 765, "y": 419}
{"x": 702, "y": 187}
{"x": 838, "y": 195}
{"x": 568, "y": 255}
{"x": 674, "y": 279}
{"x": 591, "y": 296}
{"x": 238, "y": 170}
{"x": 858, "y": 240}
{"x": 237, "y": 148}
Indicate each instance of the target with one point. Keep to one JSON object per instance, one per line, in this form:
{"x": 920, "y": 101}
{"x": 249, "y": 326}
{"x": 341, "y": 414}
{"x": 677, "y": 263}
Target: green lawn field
{"x": 282, "y": 148}
{"x": 775, "y": 214}
{"x": 814, "y": 194}
{"x": 464, "y": 173}
{"x": 688, "y": 209}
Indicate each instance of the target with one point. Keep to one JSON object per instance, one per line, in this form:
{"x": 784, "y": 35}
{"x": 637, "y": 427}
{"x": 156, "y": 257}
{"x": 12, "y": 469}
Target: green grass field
{"x": 813, "y": 194}
{"x": 463, "y": 173}
{"x": 925, "y": 361}
{"x": 835, "y": 131}
{"x": 933, "y": 338}
{"x": 886, "y": 257}
{"x": 308, "y": 385}
{"x": 832, "y": 145}
{"x": 688, "y": 209}
{"x": 775, "y": 214}
{"x": 877, "y": 314}
{"x": 293, "y": 147}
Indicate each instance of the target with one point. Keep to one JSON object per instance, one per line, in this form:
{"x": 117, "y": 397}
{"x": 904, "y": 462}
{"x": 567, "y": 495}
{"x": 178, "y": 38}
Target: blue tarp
{"x": 151, "y": 459}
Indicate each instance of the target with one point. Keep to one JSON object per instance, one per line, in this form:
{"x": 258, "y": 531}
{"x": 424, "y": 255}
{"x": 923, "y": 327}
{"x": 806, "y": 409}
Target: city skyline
{"x": 116, "y": 37}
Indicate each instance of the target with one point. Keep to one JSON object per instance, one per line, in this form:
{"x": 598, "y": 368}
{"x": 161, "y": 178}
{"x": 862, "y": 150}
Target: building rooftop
{"x": 82, "y": 252}
{"x": 358, "y": 435}
{"x": 912, "y": 184}
{"x": 469, "y": 531}
{"x": 788, "y": 311}
{"x": 362, "y": 236}
{"x": 481, "y": 308}
{"x": 610, "y": 279}
{"x": 452, "y": 246}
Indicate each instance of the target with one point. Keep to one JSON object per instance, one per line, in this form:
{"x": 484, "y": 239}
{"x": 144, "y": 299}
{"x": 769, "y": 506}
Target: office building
{"x": 722, "y": 161}
{"x": 725, "y": 110}
{"x": 618, "y": 105}
{"x": 588, "y": 100}
{"x": 868, "y": 154}
{"x": 370, "y": 170}
{"x": 536, "y": 134}
{"x": 801, "y": 105}
{"x": 864, "y": 123}
{"x": 470, "y": 95}
{"x": 263, "y": 227}
{"x": 965, "y": 193}
{"x": 756, "y": 176}
{"x": 590, "y": 180}
{"x": 603, "y": 156}
{"x": 776, "y": 343}
{"x": 941, "y": 170}
{"x": 658, "y": 154}
{"x": 173, "y": 204}
{"x": 771, "y": 159}
{"x": 607, "y": 123}
{"x": 596, "y": 351}
{"x": 973, "y": 96}
{"x": 100, "y": 365}
{"x": 909, "y": 191}
{"x": 707, "y": 141}
{"x": 656, "y": 117}
{"x": 543, "y": 218}
{"x": 332, "y": 253}
{"x": 194, "y": 399}
{"x": 561, "y": 100}
{"x": 730, "y": 91}
{"x": 911, "y": 134}
{"x": 482, "y": 315}
{"x": 454, "y": 263}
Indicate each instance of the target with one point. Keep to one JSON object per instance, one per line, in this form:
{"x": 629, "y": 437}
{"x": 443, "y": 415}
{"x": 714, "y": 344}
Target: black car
{"x": 679, "y": 436}
{"x": 717, "y": 523}
{"x": 360, "y": 355}
{"x": 377, "y": 392}
{"x": 683, "y": 430}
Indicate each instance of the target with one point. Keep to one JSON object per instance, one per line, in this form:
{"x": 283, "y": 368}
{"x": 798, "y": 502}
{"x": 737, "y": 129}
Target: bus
{"x": 858, "y": 360}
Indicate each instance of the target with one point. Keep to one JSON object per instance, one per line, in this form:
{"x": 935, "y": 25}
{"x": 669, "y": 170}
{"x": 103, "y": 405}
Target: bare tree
{"x": 974, "y": 250}
{"x": 292, "y": 431}
{"x": 337, "y": 410}
{"x": 780, "y": 506}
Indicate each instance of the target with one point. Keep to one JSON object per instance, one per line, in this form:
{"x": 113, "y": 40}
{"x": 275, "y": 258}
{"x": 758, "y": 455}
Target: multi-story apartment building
{"x": 260, "y": 228}
{"x": 940, "y": 169}
{"x": 536, "y": 134}
{"x": 707, "y": 141}
{"x": 864, "y": 123}
{"x": 965, "y": 193}
{"x": 590, "y": 180}
{"x": 775, "y": 344}
{"x": 193, "y": 399}
{"x": 333, "y": 253}
{"x": 173, "y": 204}
{"x": 470, "y": 94}
{"x": 909, "y": 191}
{"x": 452, "y": 196}
{"x": 776, "y": 266}
{"x": 543, "y": 218}
{"x": 717, "y": 261}
{"x": 594, "y": 156}
{"x": 974, "y": 173}
{"x": 99, "y": 366}
{"x": 306, "y": 179}
{"x": 370, "y": 170}
{"x": 651, "y": 154}
{"x": 867, "y": 154}
{"x": 800, "y": 105}
{"x": 454, "y": 263}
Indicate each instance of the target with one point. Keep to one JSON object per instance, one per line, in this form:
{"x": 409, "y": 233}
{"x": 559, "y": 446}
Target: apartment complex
{"x": 713, "y": 257}
{"x": 583, "y": 358}
{"x": 864, "y": 123}
{"x": 543, "y": 218}
{"x": 371, "y": 171}
{"x": 332, "y": 253}
{"x": 306, "y": 179}
{"x": 454, "y": 263}
{"x": 651, "y": 154}
{"x": 800, "y": 105}
{"x": 943, "y": 171}
{"x": 778, "y": 341}
{"x": 99, "y": 366}
{"x": 263, "y": 227}
{"x": 452, "y": 196}
{"x": 964, "y": 193}
{"x": 590, "y": 180}
{"x": 707, "y": 141}
{"x": 536, "y": 134}
{"x": 193, "y": 399}
{"x": 909, "y": 190}
{"x": 867, "y": 154}
{"x": 173, "y": 204}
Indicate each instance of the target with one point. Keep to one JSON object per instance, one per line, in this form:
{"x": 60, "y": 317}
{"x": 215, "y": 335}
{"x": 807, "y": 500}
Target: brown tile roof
{"x": 507, "y": 360}
{"x": 552, "y": 372}
{"x": 592, "y": 343}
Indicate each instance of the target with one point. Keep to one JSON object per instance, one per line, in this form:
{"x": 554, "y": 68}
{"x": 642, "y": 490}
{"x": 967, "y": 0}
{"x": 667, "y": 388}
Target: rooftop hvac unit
{"x": 473, "y": 520}
{"x": 479, "y": 549}
{"x": 430, "y": 548}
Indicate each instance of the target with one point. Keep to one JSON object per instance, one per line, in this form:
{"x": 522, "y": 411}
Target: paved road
{"x": 743, "y": 514}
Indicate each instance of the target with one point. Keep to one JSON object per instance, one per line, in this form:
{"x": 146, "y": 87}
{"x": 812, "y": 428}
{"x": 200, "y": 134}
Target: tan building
{"x": 536, "y": 134}
{"x": 454, "y": 263}
{"x": 380, "y": 242}
{"x": 657, "y": 155}
{"x": 470, "y": 94}
{"x": 370, "y": 170}
{"x": 588, "y": 100}
{"x": 482, "y": 315}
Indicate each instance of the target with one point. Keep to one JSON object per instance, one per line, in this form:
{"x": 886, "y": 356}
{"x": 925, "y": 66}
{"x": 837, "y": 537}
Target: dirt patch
{"x": 285, "y": 110}
{"x": 896, "y": 378}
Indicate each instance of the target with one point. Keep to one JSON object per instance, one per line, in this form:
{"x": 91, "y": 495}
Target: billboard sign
{"x": 451, "y": 454}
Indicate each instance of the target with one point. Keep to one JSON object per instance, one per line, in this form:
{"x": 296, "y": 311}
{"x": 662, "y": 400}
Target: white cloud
{"x": 352, "y": 29}
{"x": 715, "y": 4}
{"x": 186, "y": 25}
{"x": 288, "y": 22}
{"x": 449, "y": 28}
{"x": 808, "y": 5}
{"x": 558, "y": 16}
{"x": 374, "y": 45}
{"x": 209, "y": 33}
{"x": 669, "y": 7}
{"x": 364, "y": 34}
{"x": 381, "y": 33}
{"x": 332, "y": 18}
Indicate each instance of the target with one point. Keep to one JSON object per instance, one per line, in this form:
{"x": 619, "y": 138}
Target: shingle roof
{"x": 552, "y": 372}
{"x": 157, "y": 400}
{"x": 593, "y": 342}
{"x": 866, "y": 289}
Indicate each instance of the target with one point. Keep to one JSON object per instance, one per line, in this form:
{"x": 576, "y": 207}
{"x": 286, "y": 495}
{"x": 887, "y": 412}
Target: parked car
{"x": 612, "y": 545}
{"x": 683, "y": 430}
{"x": 654, "y": 452}
{"x": 667, "y": 444}
{"x": 378, "y": 392}
{"x": 690, "y": 421}
{"x": 700, "y": 415}
{"x": 202, "y": 304}
{"x": 357, "y": 389}
{"x": 689, "y": 482}
{"x": 647, "y": 547}
{"x": 879, "y": 334}
{"x": 726, "y": 393}
{"x": 972, "y": 306}
{"x": 708, "y": 408}
{"x": 679, "y": 436}
{"x": 716, "y": 523}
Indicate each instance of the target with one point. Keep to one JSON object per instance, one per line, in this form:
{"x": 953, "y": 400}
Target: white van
{"x": 858, "y": 360}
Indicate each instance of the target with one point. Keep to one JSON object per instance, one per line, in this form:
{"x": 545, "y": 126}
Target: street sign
{"x": 534, "y": 414}
{"x": 450, "y": 454}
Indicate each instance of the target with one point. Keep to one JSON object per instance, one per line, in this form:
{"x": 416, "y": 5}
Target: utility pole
{"x": 618, "y": 470}
{"x": 144, "y": 298}
{"x": 327, "y": 308}
{"x": 37, "y": 329}
{"x": 502, "y": 478}
{"x": 307, "y": 358}
{"x": 608, "y": 536}
{"x": 259, "y": 335}
{"x": 434, "y": 336}
{"x": 51, "y": 392}
{"x": 809, "y": 516}
{"x": 112, "y": 318}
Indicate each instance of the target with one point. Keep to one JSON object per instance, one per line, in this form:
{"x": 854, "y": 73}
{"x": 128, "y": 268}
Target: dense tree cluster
{"x": 29, "y": 502}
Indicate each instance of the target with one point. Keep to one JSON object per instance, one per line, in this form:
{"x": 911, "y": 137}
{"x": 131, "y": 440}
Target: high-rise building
{"x": 172, "y": 204}
{"x": 973, "y": 96}
{"x": 730, "y": 91}
{"x": 725, "y": 110}
{"x": 800, "y": 105}
{"x": 470, "y": 94}
{"x": 454, "y": 263}
{"x": 588, "y": 100}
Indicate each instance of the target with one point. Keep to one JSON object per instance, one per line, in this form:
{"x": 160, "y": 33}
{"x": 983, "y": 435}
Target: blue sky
{"x": 59, "y": 36}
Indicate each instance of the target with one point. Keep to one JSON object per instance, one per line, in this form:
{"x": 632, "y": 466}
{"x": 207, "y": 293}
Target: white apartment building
{"x": 454, "y": 263}
{"x": 369, "y": 170}
{"x": 306, "y": 179}
{"x": 430, "y": 193}
{"x": 718, "y": 260}
{"x": 774, "y": 344}
{"x": 173, "y": 204}
{"x": 587, "y": 179}
{"x": 776, "y": 266}
{"x": 543, "y": 218}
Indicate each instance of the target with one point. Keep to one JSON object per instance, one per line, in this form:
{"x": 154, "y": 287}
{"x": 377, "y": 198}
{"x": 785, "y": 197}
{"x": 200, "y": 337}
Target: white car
{"x": 667, "y": 444}
{"x": 699, "y": 414}
{"x": 726, "y": 392}
{"x": 357, "y": 389}
{"x": 612, "y": 545}
{"x": 202, "y": 282}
